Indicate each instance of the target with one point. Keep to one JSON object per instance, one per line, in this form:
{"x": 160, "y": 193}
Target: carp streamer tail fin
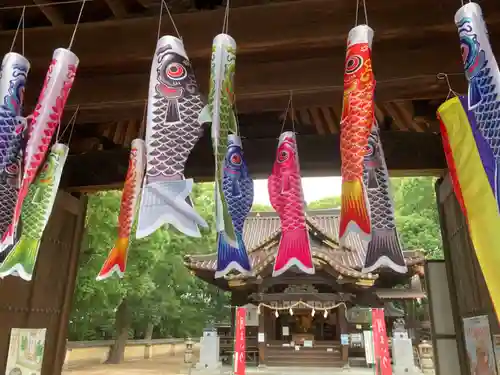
{"x": 384, "y": 250}
{"x": 294, "y": 250}
{"x": 231, "y": 258}
{"x": 164, "y": 202}
{"x": 21, "y": 260}
{"x": 116, "y": 261}
{"x": 355, "y": 210}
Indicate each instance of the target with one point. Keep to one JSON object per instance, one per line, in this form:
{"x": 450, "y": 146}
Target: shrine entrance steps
{"x": 323, "y": 354}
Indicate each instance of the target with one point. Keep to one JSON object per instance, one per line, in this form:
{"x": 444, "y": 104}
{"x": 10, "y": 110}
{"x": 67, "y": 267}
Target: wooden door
{"x": 468, "y": 291}
{"x": 45, "y": 302}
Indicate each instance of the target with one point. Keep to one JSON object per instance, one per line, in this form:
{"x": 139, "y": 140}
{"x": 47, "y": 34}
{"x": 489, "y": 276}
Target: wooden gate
{"x": 468, "y": 291}
{"x": 45, "y": 302}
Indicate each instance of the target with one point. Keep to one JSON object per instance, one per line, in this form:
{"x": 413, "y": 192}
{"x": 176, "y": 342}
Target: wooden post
{"x": 262, "y": 332}
{"x": 342, "y": 322}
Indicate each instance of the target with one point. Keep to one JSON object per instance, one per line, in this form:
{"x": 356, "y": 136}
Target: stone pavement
{"x": 166, "y": 365}
{"x": 285, "y": 371}
{"x": 175, "y": 366}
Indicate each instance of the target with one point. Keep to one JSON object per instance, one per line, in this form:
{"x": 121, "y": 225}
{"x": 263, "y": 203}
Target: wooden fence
{"x": 80, "y": 353}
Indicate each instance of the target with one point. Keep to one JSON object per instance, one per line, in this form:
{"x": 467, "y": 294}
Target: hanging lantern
{"x": 276, "y": 313}
{"x": 313, "y": 312}
{"x": 325, "y": 314}
{"x": 290, "y": 311}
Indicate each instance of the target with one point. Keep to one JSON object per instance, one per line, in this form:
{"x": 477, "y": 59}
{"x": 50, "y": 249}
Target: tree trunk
{"x": 117, "y": 351}
{"x": 149, "y": 331}
{"x": 148, "y": 349}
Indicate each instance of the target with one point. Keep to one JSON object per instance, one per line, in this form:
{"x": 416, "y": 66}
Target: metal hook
{"x": 444, "y": 76}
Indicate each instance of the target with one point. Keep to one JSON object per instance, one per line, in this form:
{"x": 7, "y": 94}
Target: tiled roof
{"x": 261, "y": 236}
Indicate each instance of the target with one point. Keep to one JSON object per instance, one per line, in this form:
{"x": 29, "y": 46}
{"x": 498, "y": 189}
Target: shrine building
{"x": 304, "y": 319}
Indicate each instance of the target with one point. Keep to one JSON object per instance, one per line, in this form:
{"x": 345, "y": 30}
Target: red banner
{"x": 239, "y": 342}
{"x": 380, "y": 344}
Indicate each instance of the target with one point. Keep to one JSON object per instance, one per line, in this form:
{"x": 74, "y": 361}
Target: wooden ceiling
{"x": 283, "y": 46}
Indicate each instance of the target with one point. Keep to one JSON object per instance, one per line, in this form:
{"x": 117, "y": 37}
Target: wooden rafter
{"x": 117, "y": 7}
{"x": 283, "y": 27}
{"x": 290, "y": 54}
{"x": 408, "y": 52}
{"x": 51, "y": 12}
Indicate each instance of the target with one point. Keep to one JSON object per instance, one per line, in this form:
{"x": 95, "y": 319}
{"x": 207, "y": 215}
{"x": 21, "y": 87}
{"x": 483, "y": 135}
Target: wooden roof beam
{"x": 315, "y": 81}
{"x": 406, "y": 153}
{"x": 51, "y": 12}
{"x": 283, "y": 27}
{"x": 122, "y": 97}
{"x": 117, "y": 7}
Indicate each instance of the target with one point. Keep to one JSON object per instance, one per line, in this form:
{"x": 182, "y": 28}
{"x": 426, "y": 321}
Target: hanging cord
{"x": 165, "y": 5}
{"x": 237, "y": 120}
{"x": 463, "y": 2}
{"x": 289, "y": 108}
{"x": 357, "y": 11}
{"x": 71, "y": 123}
{"x": 20, "y": 24}
{"x": 444, "y": 76}
{"x": 142, "y": 129}
{"x": 225, "y": 25}
{"x": 76, "y": 25}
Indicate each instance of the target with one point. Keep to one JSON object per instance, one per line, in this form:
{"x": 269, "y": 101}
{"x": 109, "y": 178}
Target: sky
{"x": 314, "y": 188}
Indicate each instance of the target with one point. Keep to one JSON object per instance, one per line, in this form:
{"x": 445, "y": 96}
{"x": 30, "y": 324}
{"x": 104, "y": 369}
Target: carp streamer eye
{"x": 176, "y": 71}
{"x": 236, "y": 159}
{"x": 353, "y": 64}
{"x": 12, "y": 168}
{"x": 370, "y": 148}
{"x": 283, "y": 156}
{"x": 467, "y": 50}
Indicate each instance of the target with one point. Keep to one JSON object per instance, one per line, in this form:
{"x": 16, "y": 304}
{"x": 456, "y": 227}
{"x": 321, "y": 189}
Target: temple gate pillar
{"x": 262, "y": 334}
{"x": 342, "y": 323}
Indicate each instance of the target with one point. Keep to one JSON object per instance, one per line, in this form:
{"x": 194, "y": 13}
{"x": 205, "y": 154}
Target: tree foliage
{"x": 417, "y": 216}
{"x": 158, "y": 288}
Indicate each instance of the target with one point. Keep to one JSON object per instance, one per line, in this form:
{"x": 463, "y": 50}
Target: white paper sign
{"x": 285, "y": 331}
{"x": 252, "y": 318}
{"x": 369, "y": 350}
{"x": 26, "y": 351}
{"x": 261, "y": 337}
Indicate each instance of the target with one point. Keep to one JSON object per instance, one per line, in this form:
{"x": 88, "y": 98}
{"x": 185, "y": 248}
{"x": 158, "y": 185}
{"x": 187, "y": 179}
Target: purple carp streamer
{"x": 481, "y": 70}
{"x": 13, "y": 77}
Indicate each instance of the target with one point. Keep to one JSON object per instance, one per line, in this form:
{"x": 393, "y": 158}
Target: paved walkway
{"x": 175, "y": 366}
{"x": 167, "y": 365}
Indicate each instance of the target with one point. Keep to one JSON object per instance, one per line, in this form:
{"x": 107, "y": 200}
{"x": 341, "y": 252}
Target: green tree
{"x": 417, "y": 216}
{"x": 257, "y": 207}
{"x": 323, "y": 203}
{"x": 158, "y": 295}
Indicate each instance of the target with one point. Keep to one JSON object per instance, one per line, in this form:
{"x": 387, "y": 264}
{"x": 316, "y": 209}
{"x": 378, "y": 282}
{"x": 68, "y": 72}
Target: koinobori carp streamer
{"x": 358, "y": 116}
{"x": 21, "y": 259}
{"x": 117, "y": 258}
{"x": 237, "y": 186}
{"x": 287, "y": 198}
{"x": 15, "y": 68}
{"x": 46, "y": 118}
{"x": 172, "y": 130}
